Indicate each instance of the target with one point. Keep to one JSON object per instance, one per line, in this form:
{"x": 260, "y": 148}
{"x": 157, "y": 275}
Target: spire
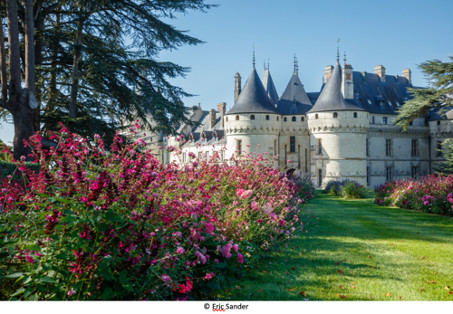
{"x": 338, "y": 50}
{"x": 269, "y": 86}
{"x": 253, "y": 60}
{"x": 296, "y": 66}
{"x": 294, "y": 99}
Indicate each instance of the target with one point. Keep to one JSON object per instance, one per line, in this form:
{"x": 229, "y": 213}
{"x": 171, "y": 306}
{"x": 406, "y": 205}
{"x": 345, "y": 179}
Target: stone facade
{"x": 346, "y": 134}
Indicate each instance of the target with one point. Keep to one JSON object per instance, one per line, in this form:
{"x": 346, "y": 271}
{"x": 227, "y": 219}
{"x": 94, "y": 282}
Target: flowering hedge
{"x": 116, "y": 224}
{"x": 432, "y": 194}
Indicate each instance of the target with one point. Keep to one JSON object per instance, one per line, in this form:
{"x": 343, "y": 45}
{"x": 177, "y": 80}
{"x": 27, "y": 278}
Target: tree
{"x": 438, "y": 97}
{"x": 88, "y": 60}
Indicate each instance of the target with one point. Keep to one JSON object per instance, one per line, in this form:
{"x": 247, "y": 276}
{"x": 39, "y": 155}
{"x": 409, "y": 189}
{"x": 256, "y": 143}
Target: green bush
{"x": 353, "y": 190}
{"x": 8, "y": 168}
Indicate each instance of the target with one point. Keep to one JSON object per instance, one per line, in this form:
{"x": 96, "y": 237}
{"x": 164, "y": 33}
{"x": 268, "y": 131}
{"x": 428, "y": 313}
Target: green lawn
{"x": 355, "y": 250}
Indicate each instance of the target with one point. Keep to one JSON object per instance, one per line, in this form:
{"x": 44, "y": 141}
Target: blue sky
{"x": 397, "y": 34}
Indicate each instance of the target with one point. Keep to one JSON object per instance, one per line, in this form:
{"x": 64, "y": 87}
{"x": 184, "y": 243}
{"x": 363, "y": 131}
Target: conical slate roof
{"x": 269, "y": 86}
{"x": 294, "y": 99}
{"x": 253, "y": 97}
{"x": 331, "y": 97}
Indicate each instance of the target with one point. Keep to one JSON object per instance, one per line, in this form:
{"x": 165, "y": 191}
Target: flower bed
{"x": 116, "y": 224}
{"x": 432, "y": 194}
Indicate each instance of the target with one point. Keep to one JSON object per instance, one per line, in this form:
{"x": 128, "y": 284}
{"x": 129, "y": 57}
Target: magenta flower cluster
{"x": 432, "y": 194}
{"x": 100, "y": 223}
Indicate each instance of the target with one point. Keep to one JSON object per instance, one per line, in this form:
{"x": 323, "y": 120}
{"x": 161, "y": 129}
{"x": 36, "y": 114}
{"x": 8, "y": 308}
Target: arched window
{"x": 237, "y": 117}
{"x": 438, "y": 122}
{"x": 355, "y": 114}
{"x": 335, "y": 115}
{"x": 316, "y": 116}
{"x": 252, "y": 117}
{"x": 293, "y": 119}
{"x": 278, "y": 119}
{"x": 302, "y": 119}
{"x": 226, "y": 119}
{"x": 267, "y": 117}
{"x": 284, "y": 119}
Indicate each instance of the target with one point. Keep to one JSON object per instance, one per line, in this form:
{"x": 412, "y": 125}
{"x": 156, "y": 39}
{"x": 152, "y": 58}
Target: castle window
{"x": 237, "y": 117}
{"x": 226, "y": 119}
{"x": 278, "y": 118}
{"x": 316, "y": 116}
{"x": 284, "y": 119}
{"x": 355, "y": 115}
{"x": 275, "y": 147}
{"x": 267, "y": 117}
{"x": 293, "y": 119}
{"x": 367, "y": 147}
{"x": 414, "y": 150}
{"x": 372, "y": 120}
{"x": 414, "y": 172}
{"x": 411, "y": 123}
{"x": 335, "y": 115}
{"x": 389, "y": 174}
{"x": 302, "y": 119}
{"x": 319, "y": 177}
{"x": 292, "y": 144}
{"x": 388, "y": 147}
{"x": 438, "y": 148}
{"x": 384, "y": 120}
{"x": 319, "y": 146}
{"x": 252, "y": 117}
{"x": 239, "y": 147}
{"x": 306, "y": 160}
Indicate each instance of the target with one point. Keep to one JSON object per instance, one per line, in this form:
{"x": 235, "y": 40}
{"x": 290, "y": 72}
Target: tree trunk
{"x": 3, "y": 78}
{"x": 75, "y": 70}
{"x": 18, "y": 102}
{"x": 29, "y": 47}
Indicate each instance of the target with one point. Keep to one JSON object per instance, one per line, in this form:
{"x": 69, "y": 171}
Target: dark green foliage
{"x": 8, "y": 168}
{"x": 440, "y": 75}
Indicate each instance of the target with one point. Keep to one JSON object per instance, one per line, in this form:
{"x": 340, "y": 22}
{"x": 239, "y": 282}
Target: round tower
{"x": 253, "y": 124}
{"x": 338, "y": 138}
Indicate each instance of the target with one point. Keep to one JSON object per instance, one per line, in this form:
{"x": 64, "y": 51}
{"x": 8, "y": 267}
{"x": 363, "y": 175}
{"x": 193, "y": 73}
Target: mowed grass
{"x": 355, "y": 250}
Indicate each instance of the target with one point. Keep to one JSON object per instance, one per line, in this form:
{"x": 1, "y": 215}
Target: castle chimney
{"x": 221, "y": 108}
{"x": 380, "y": 70}
{"x": 407, "y": 74}
{"x": 212, "y": 118}
{"x": 347, "y": 86}
{"x": 237, "y": 86}
{"x": 327, "y": 71}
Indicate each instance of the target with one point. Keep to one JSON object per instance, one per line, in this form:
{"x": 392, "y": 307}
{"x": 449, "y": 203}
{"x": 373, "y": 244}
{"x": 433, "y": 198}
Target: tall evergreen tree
{"x": 88, "y": 61}
{"x": 439, "y": 96}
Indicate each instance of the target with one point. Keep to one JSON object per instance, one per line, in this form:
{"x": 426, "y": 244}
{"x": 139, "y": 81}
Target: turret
{"x": 237, "y": 86}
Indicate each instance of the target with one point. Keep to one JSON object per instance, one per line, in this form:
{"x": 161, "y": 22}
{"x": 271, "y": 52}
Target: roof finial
{"x": 264, "y": 63}
{"x": 268, "y": 64}
{"x": 344, "y": 60}
{"x": 296, "y": 66}
{"x": 338, "y": 50}
{"x": 253, "y": 60}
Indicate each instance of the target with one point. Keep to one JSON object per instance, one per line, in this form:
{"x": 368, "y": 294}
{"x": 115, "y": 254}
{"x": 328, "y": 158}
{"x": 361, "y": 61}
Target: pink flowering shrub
{"x": 98, "y": 224}
{"x": 432, "y": 194}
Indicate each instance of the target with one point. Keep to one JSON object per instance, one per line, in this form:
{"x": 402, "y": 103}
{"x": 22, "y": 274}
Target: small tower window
{"x": 355, "y": 114}
{"x": 372, "y": 120}
{"x": 335, "y": 115}
{"x": 252, "y": 117}
{"x": 284, "y": 119}
{"x": 237, "y": 117}
{"x": 267, "y": 117}
{"x": 384, "y": 120}
{"x": 293, "y": 119}
{"x": 278, "y": 118}
{"x": 226, "y": 119}
{"x": 292, "y": 144}
{"x": 316, "y": 116}
{"x": 302, "y": 119}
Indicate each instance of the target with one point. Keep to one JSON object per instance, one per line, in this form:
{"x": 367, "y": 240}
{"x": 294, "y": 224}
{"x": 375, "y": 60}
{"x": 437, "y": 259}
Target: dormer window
{"x": 335, "y": 115}
{"x": 293, "y": 119}
{"x": 267, "y": 117}
{"x": 355, "y": 115}
{"x": 252, "y": 117}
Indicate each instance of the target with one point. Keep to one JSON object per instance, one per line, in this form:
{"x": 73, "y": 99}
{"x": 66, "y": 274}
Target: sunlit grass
{"x": 355, "y": 250}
